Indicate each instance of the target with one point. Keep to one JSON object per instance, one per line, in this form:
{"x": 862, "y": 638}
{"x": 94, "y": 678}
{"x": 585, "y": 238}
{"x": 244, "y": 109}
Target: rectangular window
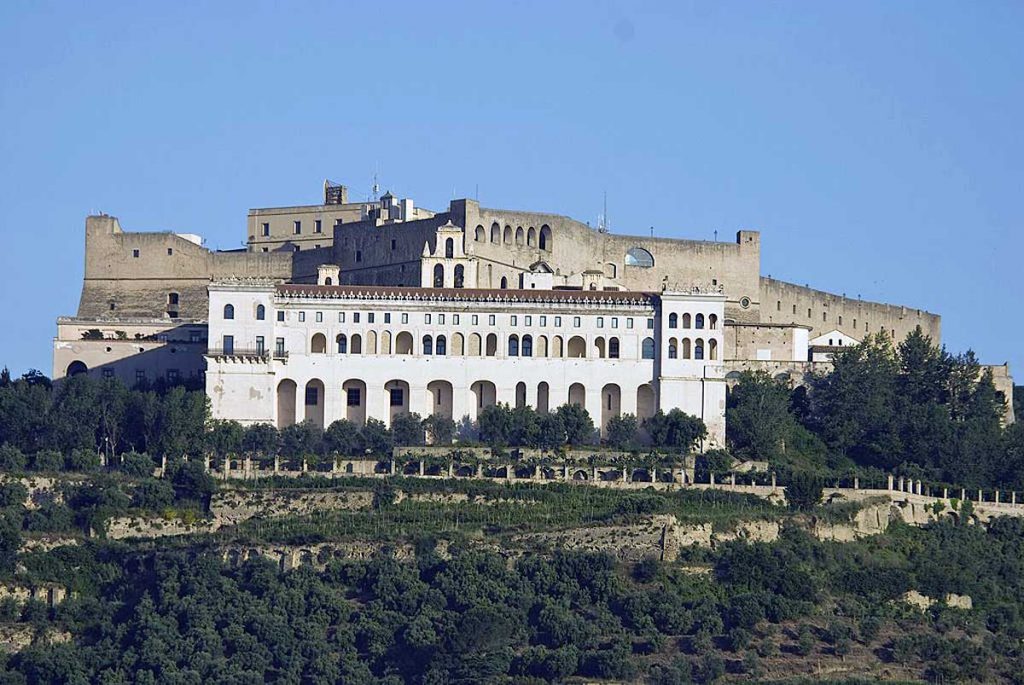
{"x": 824, "y": 316}
{"x": 387, "y": 317}
{"x": 279, "y": 347}
{"x": 353, "y": 397}
{"x": 318, "y": 227}
{"x": 393, "y": 243}
{"x": 405, "y": 318}
{"x": 369, "y": 317}
{"x": 490, "y": 320}
{"x": 302, "y": 316}
{"x": 359, "y": 255}
{"x": 341, "y": 317}
{"x": 397, "y": 397}
{"x": 280, "y": 316}
{"x": 108, "y": 373}
{"x": 615, "y": 322}
{"x": 600, "y": 322}
{"x": 266, "y": 229}
{"x": 840, "y": 320}
{"x": 170, "y": 251}
{"x": 312, "y": 396}
{"x": 135, "y": 254}
{"x": 650, "y": 324}
{"x": 319, "y": 317}
{"x": 808, "y": 312}
{"x": 297, "y": 228}
{"x": 355, "y": 317}
{"x": 440, "y": 318}
{"x": 778, "y": 305}
{"x": 173, "y": 375}
{"x": 140, "y": 375}
{"x": 194, "y": 336}
{"x": 794, "y": 309}
{"x": 576, "y": 322}
{"x": 426, "y": 318}
{"x": 543, "y": 321}
{"x": 514, "y": 320}
{"x": 558, "y": 321}
{"x": 229, "y": 344}
{"x": 529, "y": 320}
{"x": 629, "y": 322}
{"x": 261, "y": 345}
{"x": 455, "y": 319}
{"x": 475, "y": 320}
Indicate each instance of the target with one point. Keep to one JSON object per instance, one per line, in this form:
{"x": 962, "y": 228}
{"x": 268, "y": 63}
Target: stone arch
{"x": 440, "y": 394}
{"x": 557, "y": 347}
{"x": 460, "y": 276}
{"x": 526, "y": 348}
{"x": 578, "y": 395}
{"x": 531, "y": 237}
{"x": 318, "y": 345}
{"x": 485, "y": 393}
{"x": 439, "y": 275}
{"x": 545, "y": 238}
{"x": 647, "y": 348}
{"x": 355, "y": 345}
{"x": 713, "y": 349}
{"x": 599, "y": 347}
{"x": 495, "y": 233}
{"x": 458, "y": 344}
{"x": 577, "y": 347}
{"x": 542, "y": 345}
{"x": 492, "y": 345}
{"x": 686, "y": 320}
{"x": 646, "y": 402}
{"x": 673, "y": 348}
{"x": 507, "y": 236}
{"x": 712, "y": 321}
{"x": 611, "y": 403}
{"x": 355, "y": 402}
{"x": 403, "y": 343}
{"x": 385, "y": 342}
{"x": 520, "y": 394}
{"x": 441, "y": 345}
{"x": 698, "y": 348}
{"x": 480, "y": 234}
{"x": 342, "y": 343}
{"x": 543, "y": 397}
{"x": 397, "y": 392}
{"x": 314, "y": 402}
{"x": 76, "y": 367}
{"x": 449, "y": 248}
{"x": 286, "y": 391}
{"x": 520, "y": 236}
{"x": 371, "y": 342}
{"x": 475, "y": 347}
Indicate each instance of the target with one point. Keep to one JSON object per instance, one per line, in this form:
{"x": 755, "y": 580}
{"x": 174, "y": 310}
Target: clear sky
{"x": 876, "y": 145}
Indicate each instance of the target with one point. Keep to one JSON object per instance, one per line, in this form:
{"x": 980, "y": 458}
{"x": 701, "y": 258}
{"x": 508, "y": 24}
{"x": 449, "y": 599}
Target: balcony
{"x": 248, "y": 353}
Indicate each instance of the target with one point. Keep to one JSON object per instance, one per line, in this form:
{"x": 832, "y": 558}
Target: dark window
{"x": 438, "y": 276}
{"x": 135, "y": 253}
{"x": 266, "y": 229}
{"x": 261, "y": 345}
{"x": 140, "y": 375}
{"x": 460, "y": 276}
{"x": 280, "y": 316}
{"x": 369, "y": 317}
{"x": 342, "y": 344}
{"x": 613, "y": 348}
{"x": 172, "y": 313}
{"x": 673, "y": 320}
{"x": 428, "y": 345}
{"x": 317, "y": 227}
{"x": 352, "y": 397}
{"x": 355, "y": 317}
{"x": 449, "y": 248}
{"x": 699, "y": 321}
{"x": 298, "y": 228}
{"x": 261, "y": 312}
{"x": 312, "y": 395}
{"x": 194, "y": 336}
{"x": 229, "y": 311}
{"x": 229, "y": 344}
{"x": 173, "y": 375}
{"x": 279, "y": 347}
{"x": 359, "y": 256}
{"x": 387, "y": 317}
{"x": 647, "y": 348}
{"x": 170, "y": 251}
{"x": 393, "y": 243}
{"x": 698, "y": 351}
{"x": 108, "y": 373}
{"x": 397, "y": 397}
{"x": 527, "y": 346}
{"x": 172, "y": 298}
{"x": 513, "y": 346}
{"x": 442, "y": 345}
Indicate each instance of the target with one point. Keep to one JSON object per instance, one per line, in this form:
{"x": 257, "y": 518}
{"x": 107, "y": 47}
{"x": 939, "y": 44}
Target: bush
{"x": 137, "y": 465}
{"x": 11, "y": 458}
{"x": 153, "y": 494}
{"x": 82, "y": 461}
{"x": 621, "y": 431}
{"x": 12, "y": 493}
{"x": 804, "y": 490}
{"x": 47, "y": 460}
{"x": 191, "y": 482}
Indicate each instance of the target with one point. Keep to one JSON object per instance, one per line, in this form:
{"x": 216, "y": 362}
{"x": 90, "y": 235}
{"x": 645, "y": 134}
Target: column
{"x": 889, "y": 482}
{"x": 856, "y": 483}
{"x": 420, "y": 401}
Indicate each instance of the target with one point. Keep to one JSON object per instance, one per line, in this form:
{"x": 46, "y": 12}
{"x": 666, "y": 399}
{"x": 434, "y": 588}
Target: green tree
{"x": 676, "y": 430}
{"x": 261, "y": 440}
{"x": 301, "y": 440}
{"x": 803, "y": 490}
{"x": 153, "y": 494}
{"x": 440, "y": 428}
{"x": 11, "y": 458}
{"x": 495, "y": 425}
{"x": 47, "y": 460}
{"x": 224, "y": 438}
{"x": 191, "y": 482}
{"x": 376, "y": 437}
{"x": 550, "y": 431}
{"x": 407, "y": 430}
{"x": 579, "y": 427}
{"x": 757, "y": 417}
{"x": 621, "y": 431}
{"x": 342, "y": 437}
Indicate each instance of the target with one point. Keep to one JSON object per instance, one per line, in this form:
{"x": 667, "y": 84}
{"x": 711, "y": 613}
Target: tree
{"x": 137, "y": 465}
{"x": 224, "y": 438}
{"x": 550, "y": 430}
{"x": 153, "y": 494}
{"x": 579, "y": 427}
{"x": 621, "y": 431}
{"x": 803, "y": 490}
{"x": 441, "y": 429}
{"x": 191, "y": 482}
{"x": 675, "y": 430}
{"x": 524, "y": 429}
{"x": 301, "y": 439}
{"x": 757, "y": 417}
{"x": 342, "y": 437}
{"x": 495, "y": 425}
{"x": 47, "y": 460}
{"x": 11, "y": 458}
{"x": 261, "y": 440}
{"x": 376, "y": 437}
{"x": 407, "y": 430}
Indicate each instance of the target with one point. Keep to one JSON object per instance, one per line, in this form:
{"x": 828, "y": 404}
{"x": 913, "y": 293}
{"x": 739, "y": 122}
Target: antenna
{"x": 602, "y": 224}
{"x": 652, "y": 231}
{"x": 716, "y": 235}
{"x": 375, "y": 188}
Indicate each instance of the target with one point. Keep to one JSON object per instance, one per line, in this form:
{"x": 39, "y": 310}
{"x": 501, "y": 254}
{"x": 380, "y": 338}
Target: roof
{"x": 598, "y": 297}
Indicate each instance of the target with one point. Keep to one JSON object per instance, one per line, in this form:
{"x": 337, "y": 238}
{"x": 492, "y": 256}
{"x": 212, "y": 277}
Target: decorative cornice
{"x": 510, "y": 296}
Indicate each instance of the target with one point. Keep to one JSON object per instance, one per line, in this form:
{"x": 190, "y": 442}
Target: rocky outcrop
{"x": 16, "y": 637}
{"x": 231, "y": 507}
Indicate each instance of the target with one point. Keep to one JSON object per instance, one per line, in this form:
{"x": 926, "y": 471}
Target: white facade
{"x": 294, "y": 352}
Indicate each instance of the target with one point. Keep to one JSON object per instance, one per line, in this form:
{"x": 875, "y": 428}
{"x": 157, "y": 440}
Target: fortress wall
{"x": 765, "y": 342}
{"x": 378, "y": 263}
{"x": 783, "y": 302}
{"x": 575, "y": 247}
{"x": 282, "y": 220}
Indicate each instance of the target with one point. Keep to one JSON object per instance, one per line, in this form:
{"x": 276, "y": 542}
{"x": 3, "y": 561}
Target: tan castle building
{"x": 144, "y": 308}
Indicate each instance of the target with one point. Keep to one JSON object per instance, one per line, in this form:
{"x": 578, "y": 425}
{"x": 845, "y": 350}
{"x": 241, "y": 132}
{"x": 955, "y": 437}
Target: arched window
{"x": 531, "y": 237}
{"x": 428, "y": 345}
{"x": 481, "y": 234}
{"x": 519, "y": 235}
{"x": 356, "y": 346}
{"x": 504, "y": 283}
{"x": 613, "y": 348}
{"x": 698, "y": 349}
{"x": 545, "y": 237}
{"x": 647, "y": 348}
{"x": 328, "y": 281}
{"x": 438, "y": 276}
{"x": 229, "y": 311}
{"x": 686, "y": 320}
{"x": 527, "y": 346}
{"x": 172, "y": 299}
{"x": 449, "y": 248}
{"x": 673, "y": 350}
{"x": 713, "y": 321}
{"x": 698, "y": 321}
{"x": 673, "y": 320}
{"x": 318, "y": 345}
{"x": 638, "y": 256}
{"x": 460, "y": 275}
{"x": 513, "y": 345}
{"x": 442, "y": 346}
{"x": 342, "y": 344}
{"x": 508, "y": 235}
{"x": 261, "y": 312}
{"x": 686, "y": 348}
{"x": 495, "y": 233}
{"x": 713, "y": 349}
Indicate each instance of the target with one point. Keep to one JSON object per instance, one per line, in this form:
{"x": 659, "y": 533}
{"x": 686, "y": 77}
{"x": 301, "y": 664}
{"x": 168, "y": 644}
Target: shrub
{"x": 11, "y": 458}
{"x": 137, "y": 465}
{"x": 47, "y": 460}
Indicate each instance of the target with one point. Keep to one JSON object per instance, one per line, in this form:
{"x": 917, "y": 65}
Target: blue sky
{"x": 876, "y": 145}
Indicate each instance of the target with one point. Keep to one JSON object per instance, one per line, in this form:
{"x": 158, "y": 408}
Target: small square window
{"x": 302, "y": 316}
{"x": 387, "y": 317}
{"x": 170, "y": 251}
{"x": 140, "y": 375}
{"x": 369, "y": 317}
{"x": 135, "y": 254}
{"x": 266, "y": 249}
{"x": 108, "y": 373}
{"x": 280, "y": 315}
{"x": 405, "y": 317}
{"x": 341, "y": 317}
{"x": 650, "y": 324}
{"x": 490, "y": 320}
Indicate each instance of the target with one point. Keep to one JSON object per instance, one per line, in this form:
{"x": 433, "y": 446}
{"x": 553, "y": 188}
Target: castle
{"x": 369, "y": 309}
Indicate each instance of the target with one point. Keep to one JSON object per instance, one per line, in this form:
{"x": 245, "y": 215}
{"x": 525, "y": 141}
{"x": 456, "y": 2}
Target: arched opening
{"x": 504, "y": 283}
{"x": 371, "y": 343}
{"x": 440, "y": 395}
{"x": 713, "y": 349}
{"x": 342, "y": 341}
{"x": 492, "y": 345}
{"x": 428, "y": 345}
{"x": 261, "y": 312}
{"x": 355, "y": 344}
{"x": 475, "y": 341}
{"x": 647, "y": 348}
{"x": 229, "y": 311}
{"x": 385, "y": 342}
{"x": 698, "y": 321}
{"x": 712, "y": 321}
{"x": 578, "y": 395}
{"x": 495, "y": 233}
{"x": 527, "y": 346}
{"x": 698, "y": 349}
{"x": 531, "y": 237}
{"x": 520, "y": 236}
{"x": 449, "y": 248}
{"x": 485, "y": 393}
{"x": 613, "y": 348}
{"x": 328, "y": 281}
{"x": 686, "y": 348}
{"x": 611, "y": 403}
{"x": 354, "y": 393}
{"x": 403, "y": 343}
{"x": 318, "y": 345}
{"x": 673, "y": 320}
{"x": 520, "y": 394}
{"x": 438, "y": 276}
{"x": 543, "y": 397}
{"x": 513, "y": 345}
{"x": 480, "y": 235}
{"x": 542, "y": 345}
{"x": 545, "y": 237}
{"x": 314, "y": 402}
{"x": 286, "y": 390}
{"x": 398, "y": 398}
{"x": 638, "y": 256}
{"x": 646, "y": 403}
{"x": 673, "y": 349}
{"x": 557, "y": 347}
{"x": 441, "y": 346}
{"x": 610, "y": 270}
{"x": 599, "y": 347}
{"x": 460, "y": 276}
{"x": 76, "y": 367}
{"x": 458, "y": 344}
{"x": 577, "y": 347}
{"x": 686, "y": 320}
{"x": 508, "y": 235}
